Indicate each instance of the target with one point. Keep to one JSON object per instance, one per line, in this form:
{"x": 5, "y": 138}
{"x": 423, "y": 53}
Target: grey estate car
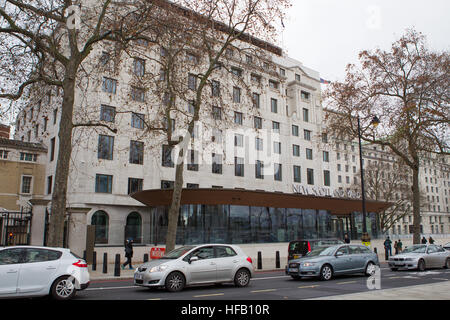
{"x": 200, "y": 264}
{"x": 421, "y": 257}
{"x": 326, "y": 262}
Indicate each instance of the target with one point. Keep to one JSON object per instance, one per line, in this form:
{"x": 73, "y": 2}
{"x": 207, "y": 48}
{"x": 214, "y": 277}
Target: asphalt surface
{"x": 268, "y": 285}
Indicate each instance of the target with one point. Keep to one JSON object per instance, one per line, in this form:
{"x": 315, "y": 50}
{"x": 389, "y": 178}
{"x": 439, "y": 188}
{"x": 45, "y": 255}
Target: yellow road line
{"x": 209, "y": 295}
{"x": 304, "y": 287}
{"x": 346, "y": 282}
{"x": 265, "y": 290}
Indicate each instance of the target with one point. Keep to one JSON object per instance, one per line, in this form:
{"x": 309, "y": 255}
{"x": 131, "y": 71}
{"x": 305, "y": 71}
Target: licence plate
{"x": 293, "y": 269}
{"x": 138, "y": 276}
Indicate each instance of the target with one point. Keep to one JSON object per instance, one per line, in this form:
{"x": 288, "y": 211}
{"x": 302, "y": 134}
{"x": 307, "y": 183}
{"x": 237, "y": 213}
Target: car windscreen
{"x": 298, "y": 247}
{"x": 322, "y": 251}
{"x": 415, "y": 249}
{"x": 176, "y": 253}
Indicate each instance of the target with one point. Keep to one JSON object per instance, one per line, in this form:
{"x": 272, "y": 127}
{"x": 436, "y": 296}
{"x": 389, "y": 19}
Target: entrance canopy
{"x": 160, "y": 197}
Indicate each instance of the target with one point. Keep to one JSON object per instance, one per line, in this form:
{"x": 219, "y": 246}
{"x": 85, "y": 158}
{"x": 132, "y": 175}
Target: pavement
{"x": 433, "y": 291}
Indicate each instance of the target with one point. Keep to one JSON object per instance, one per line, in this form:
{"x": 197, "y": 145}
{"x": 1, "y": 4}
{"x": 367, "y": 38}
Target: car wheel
{"x": 242, "y": 278}
{"x": 326, "y": 272}
{"x": 296, "y": 277}
{"x": 447, "y": 263}
{"x": 63, "y": 288}
{"x": 175, "y": 282}
{"x": 370, "y": 269}
{"x": 421, "y": 265}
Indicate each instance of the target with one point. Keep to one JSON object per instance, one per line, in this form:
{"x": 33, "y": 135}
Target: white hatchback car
{"x": 28, "y": 271}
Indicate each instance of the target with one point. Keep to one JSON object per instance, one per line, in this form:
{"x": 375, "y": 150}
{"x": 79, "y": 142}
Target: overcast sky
{"x": 326, "y": 35}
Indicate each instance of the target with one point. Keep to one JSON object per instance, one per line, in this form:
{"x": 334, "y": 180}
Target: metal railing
{"x": 15, "y": 228}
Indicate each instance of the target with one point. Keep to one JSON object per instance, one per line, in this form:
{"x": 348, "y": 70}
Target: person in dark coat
{"x": 387, "y": 247}
{"x": 128, "y": 253}
{"x": 431, "y": 240}
{"x": 424, "y": 240}
{"x": 399, "y": 246}
{"x": 346, "y": 238}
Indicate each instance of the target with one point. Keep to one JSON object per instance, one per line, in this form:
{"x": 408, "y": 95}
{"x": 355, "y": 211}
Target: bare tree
{"x": 407, "y": 89}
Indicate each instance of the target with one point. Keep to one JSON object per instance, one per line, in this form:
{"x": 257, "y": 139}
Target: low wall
{"x": 268, "y": 251}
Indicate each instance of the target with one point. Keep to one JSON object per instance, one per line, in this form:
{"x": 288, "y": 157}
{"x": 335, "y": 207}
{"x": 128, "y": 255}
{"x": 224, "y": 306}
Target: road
{"x": 273, "y": 285}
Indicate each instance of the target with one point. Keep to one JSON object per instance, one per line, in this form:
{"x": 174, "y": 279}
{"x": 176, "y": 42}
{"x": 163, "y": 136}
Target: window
{"x": 309, "y": 154}
{"x": 217, "y": 113}
{"x": 136, "y": 152}
{"x": 192, "y": 81}
{"x": 305, "y": 115}
{"x": 258, "y": 123}
{"x": 326, "y": 156}
{"x": 192, "y": 164}
{"x": 310, "y": 176}
{"x": 277, "y": 171}
{"x": 216, "y": 163}
{"x": 275, "y": 127}
{"x": 109, "y": 85}
{"x": 137, "y": 94}
{"x": 26, "y": 184}
{"x": 324, "y": 137}
{"x": 297, "y": 174}
{"x": 52, "y": 149}
{"x": 236, "y": 71}
{"x": 296, "y": 150}
{"x": 216, "y": 135}
{"x": 215, "y": 88}
{"x": 137, "y": 120}
{"x": 49, "y": 184}
{"x": 259, "y": 144}
{"x": 55, "y": 115}
{"x": 305, "y": 95}
{"x": 24, "y": 156}
{"x": 100, "y": 220}
{"x": 297, "y": 77}
{"x": 326, "y": 178}
{"x": 277, "y": 147}
{"x": 248, "y": 59}
{"x": 238, "y": 117}
{"x": 238, "y": 140}
{"x": 133, "y": 228}
{"x": 238, "y": 167}
{"x": 167, "y": 156}
{"x": 295, "y": 130}
{"x": 259, "y": 169}
{"x": 236, "y": 94}
{"x": 282, "y": 72}
{"x": 191, "y": 106}
{"x": 307, "y": 135}
{"x": 255, "y": 78}
{"x": 165, "y": 184}
{"x": 4, "y": 155}
{"x": 107, "y": 113}
{"x": 191, "y": 57}
{"x": 192, "y": 185}
{"x": 135, "y": 185}
{"x": 274, "y": 105}
{"x": 103, "y": 183}
{"x": 256, "y": 100}
{"x": 273, "y": 84}
{"x": 105, "y": 147}
{"x": 139, "y": 67}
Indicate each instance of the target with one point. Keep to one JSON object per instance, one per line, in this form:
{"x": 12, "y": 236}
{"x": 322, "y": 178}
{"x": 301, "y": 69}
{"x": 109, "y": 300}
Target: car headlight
{"x": 159, "y": 268}
{"x": 309, "y": 264}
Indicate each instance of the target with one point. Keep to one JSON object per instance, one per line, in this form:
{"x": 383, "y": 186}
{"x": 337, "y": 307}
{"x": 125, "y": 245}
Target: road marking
{"x": 346, "y": 282}
{"x": 265, "y": 290}
{"x": 312, "y": 286}
{"x": 439, "y": 278}
{"x": 396, "y": 277}
{"x": 209, "y": 295}
{"x": 111, "y": 288}
{"x": 155, "y": 299}
{"x": 277, "y": 277}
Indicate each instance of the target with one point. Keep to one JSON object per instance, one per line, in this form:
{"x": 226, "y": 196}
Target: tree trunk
{"x": 416, "y": 205}
{"x": 59, "y": 195}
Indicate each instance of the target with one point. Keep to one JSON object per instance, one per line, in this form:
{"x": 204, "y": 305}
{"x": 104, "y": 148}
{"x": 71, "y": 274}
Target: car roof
{"x": 35, "y": 247}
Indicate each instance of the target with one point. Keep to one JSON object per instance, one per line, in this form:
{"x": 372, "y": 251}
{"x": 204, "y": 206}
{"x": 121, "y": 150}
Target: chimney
{"x": 4, "y": 131}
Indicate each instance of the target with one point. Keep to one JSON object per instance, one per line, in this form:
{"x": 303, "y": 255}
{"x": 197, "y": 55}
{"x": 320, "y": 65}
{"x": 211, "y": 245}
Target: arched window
{"x": 133, "y": 228}
{"x": 100, "y": 220}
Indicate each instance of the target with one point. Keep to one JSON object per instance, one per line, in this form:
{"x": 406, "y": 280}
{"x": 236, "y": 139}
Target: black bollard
{"x": 117, "y": 266}
{"x": 84, "y": 255}
{"x": 277, "y": 259}
{"x": 94, "y": 260}
{"x": 105, "y": 262}
{"x": 145, "y": 257}
{"x": 259, "y": 260}
{"x": 375, "y": 250}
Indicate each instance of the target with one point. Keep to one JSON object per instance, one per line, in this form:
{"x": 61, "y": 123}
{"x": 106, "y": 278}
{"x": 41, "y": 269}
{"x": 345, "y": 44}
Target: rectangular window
{"x": 238, "y": 167}
{"x": 216, "y": 135}
{"x": 107, "y": 113}
{"x": 274, "y": 105}
{"x": 137, "y": 94}
{"x": 105, "y": 147}
{"x": 256, "y": 100}
{"x": 326, "y": 156}
{"x": 26, "y": 184}
{"x": 139, "y": 67}
{"x": 275, "y": 127}
{"x": 277, "y": 147}
{"x": 295, "y": 130}
{"x": 192, "y": 185}
{"x": 259, "y": 144}
{"x": 309, "y": 154}
{"x": 191, "y": 57}
{"x": 192, "y": 81}
{"x": 324, "y": 137}
{"x": 297, "y": 77}
{"x": 238, "y": 140}
{"x": 273, "y": 84}
{"x": 136, "y": 152}
{"x": 165, "y": 184}
{"x": 167, "y": 156}
{"x": 236, "y": 71}
{"x": 259, "y": 169}
{"x": 25, "y": 156}
{"x": 215, "y": 88}
{"x": 109, "y": 85}
{"x": 255, "y": 78}
{"x": 307, "y": 135}
{"x": 277, "y": 172}
{"x": 326, "y": 178}
{"x": 305, "y": 95}
{"x": 310, "y": 176}
{"x": 49, "y": 184}
{"x": 135, "y": 185}
{"x": 236, "y": 94}
{"x": 258, "y": 123}
{"x": 297, "y": 174}
{"x": 55, "y": 115}
{"x": 216, "y": 163}
{"x": 238, "y": 118}
{"x": 296, "y": 150}
{"x": 217, "y": 113}
{"x": 103, "y": 183}
{"x": 52, "y": 149}
{"x": 305, "y": 115}
{"x": 192, "y": 164}
{"x": 137, "y": 120}
{"x": 4, "y": 155}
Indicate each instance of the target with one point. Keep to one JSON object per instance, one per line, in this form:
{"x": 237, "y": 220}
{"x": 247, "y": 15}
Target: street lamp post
{"x": 365, "y": 236}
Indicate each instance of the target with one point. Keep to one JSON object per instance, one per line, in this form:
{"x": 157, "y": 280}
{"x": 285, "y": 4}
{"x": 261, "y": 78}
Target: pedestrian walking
{"x": 346, "y": 238}
{"x": 128, "y": 253}
{"x": 424, "y": 241}
{"x": 387, "y": 247}
{"x": 399, "y": 246}
{"x": 395, "y": 247}
{"x": 431, "y": 240}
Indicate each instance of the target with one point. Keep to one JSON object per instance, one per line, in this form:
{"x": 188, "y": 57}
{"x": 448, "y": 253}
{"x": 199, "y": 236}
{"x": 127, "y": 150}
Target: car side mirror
{"x": 192, "y": 259}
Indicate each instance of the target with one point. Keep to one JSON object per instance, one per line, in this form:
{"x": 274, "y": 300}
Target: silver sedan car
{"x": 325, "y": 262}
{"x": 200, "y": 264}
{"x": 420, "y": 256}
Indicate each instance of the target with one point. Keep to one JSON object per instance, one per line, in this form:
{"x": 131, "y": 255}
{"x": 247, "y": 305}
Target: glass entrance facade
{"x": 247, "y": 224}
